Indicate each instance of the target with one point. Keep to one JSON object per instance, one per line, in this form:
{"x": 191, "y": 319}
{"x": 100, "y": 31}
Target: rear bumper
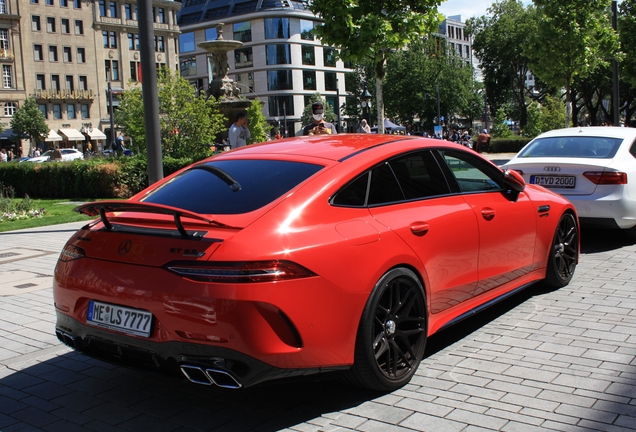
{"x": 201, "y": 364}
{"x": 615, "y": 210}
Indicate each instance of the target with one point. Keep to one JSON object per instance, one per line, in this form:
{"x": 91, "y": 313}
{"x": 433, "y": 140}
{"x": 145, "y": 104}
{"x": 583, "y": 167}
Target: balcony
{"x": 65, "y": 94}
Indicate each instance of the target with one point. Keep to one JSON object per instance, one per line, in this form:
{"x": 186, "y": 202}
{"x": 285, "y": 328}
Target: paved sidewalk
{"x": 560, "y": 360}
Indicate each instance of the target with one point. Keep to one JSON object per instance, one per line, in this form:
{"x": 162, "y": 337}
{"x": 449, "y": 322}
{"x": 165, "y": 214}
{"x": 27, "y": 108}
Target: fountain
{"x": 222, "y": 87}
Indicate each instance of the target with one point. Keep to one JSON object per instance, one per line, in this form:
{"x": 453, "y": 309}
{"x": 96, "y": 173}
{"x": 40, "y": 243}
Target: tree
{"x": 372, "y": 28}
{"x": 573, "y": 39}
{"x": 259, "y": 128}
{"x": 28, "y": 120}
{"x": 188, "y": 121}
{"x": 498, "y": 43}
{"x": 627, "y": 30}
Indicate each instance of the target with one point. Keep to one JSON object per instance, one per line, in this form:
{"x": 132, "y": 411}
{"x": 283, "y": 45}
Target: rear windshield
{"x": 231, "y": 187}
{"x": 578, "y": 147}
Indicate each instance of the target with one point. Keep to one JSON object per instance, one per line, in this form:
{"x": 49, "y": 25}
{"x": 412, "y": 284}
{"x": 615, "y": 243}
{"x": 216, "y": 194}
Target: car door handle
{"x": 488, "y": 213}
{"x": 419, "y": 228}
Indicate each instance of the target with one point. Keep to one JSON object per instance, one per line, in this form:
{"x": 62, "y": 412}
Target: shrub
{"x": 508, "y": 145}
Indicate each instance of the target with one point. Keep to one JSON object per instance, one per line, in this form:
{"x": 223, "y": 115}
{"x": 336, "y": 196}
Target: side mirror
{"x": 513, "y": 180}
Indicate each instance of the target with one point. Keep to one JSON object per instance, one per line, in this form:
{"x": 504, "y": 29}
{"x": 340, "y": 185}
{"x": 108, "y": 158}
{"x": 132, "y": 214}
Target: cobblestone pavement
{"x": 561, "y": 360}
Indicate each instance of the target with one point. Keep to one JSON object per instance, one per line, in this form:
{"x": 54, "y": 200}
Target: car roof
{"x": 592, "y": 131}
{"x": 332, "y": 147}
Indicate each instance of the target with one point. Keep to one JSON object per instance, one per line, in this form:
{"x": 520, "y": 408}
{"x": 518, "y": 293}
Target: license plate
{"x": 127, "y": 320}
{"x": 554, "y": 181}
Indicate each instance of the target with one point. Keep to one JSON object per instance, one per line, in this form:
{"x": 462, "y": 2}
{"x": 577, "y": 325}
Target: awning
{"x": 53, "y": 136}
{"x": 72, "y": 134}
{"x": 7, "y": 134}
{"x": 96, "y": 134}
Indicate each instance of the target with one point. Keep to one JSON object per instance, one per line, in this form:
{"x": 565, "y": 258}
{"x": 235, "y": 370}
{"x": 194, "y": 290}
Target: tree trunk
{"x": 379, "y": 75}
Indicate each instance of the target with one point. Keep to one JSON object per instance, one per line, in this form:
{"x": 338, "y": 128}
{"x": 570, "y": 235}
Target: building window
{"x": 306, "y": 29}
{"x": 70, "y": 111}
{"x": 102, "y": 8}
{"x": 81, "y": 55}
{"x": 50, "y": 2}
{"x": 50, "y": 24}
{"x": 112, "y": 8}
{"x": 43, "y": 110}
{"x": 128, "y": 10}
{"x": 276, "y": 28}
{"x": 279, "y": 105}
{"x": 112, "y": 70}
{"x": 77, "y": 4}
{"x": 135, "y": 70}
{"x": 331, "y": 82}
{"x": 66, "y": 54}
{"x": 279, "y": 80}
{"x": 35, "y": 23}
{"x": 83, "y": 82}
{"x": 64, "y": 3}
{"x": 85, "y": 111}
{"x": 309, "y": 55}
{"x": 211, "y": 34}
{"x": 79, "y": 27}
{"x": 69, "y": 82}
{"x": 57, "y": 111}
{"x": 40, "y": 82}
{"x": 35, "y": 1}
{"x": 278, "y": 54}
{"x": 243, "y": 58}
{"x": 3, "y": 6}
{"x": 53, "y": 53}
{"x": 154, "y": 15}
{"x": 245, "y": 81}
{"x": 4, "y": 39}
{"x": 10, "y": 108}
{"x": 243, "y": 31}
{"x": 309, "y": 80}
{"x": 65, "y": 23}
{"x": 161, "y": 16}
{"x": 110, "y": 39}
{"x": 329, "y": 57}
{"x": 187, "y": 66}
{"x": 186, "y": 42}
{"x": 133, "y": 41}
{"x": 55, "y": 83}
{"x": 7, "y": 77}
{"x": 159, "y": 44}
{"x": 38, "y": 53}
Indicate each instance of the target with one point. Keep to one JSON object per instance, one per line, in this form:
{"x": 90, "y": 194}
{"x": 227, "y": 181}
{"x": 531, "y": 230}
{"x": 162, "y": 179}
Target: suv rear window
{"x": 213, "y": 187}
{"x": 583, "y": 147}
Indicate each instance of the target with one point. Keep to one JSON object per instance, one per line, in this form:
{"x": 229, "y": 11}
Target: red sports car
{"x": 305, "y": 255}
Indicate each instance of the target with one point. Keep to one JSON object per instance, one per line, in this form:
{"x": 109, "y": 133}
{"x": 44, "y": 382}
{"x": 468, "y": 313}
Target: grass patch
{"x": 55, "y": 212}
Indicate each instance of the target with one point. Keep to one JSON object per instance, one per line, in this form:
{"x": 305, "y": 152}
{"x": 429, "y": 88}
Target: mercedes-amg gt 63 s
{"x": 304, "y": 255}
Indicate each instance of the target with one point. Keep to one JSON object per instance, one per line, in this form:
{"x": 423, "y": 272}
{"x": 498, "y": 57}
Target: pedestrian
{"x": 318, "y": 115}
{"x": 57, "y": 154}
{"x": 239, "y": 133}
{"x": 119, "y": 145}
{"x": 3, "y": 155}
{"x": 483, "y": 141}
{"x": 364, "y": 127}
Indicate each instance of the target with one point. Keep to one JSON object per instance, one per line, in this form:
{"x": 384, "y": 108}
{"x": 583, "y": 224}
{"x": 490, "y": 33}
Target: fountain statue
{"x": 222, "y": 87}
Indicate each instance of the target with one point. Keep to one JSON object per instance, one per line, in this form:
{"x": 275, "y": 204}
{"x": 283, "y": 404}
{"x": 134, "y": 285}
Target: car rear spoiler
{"x": 102, "y": 208}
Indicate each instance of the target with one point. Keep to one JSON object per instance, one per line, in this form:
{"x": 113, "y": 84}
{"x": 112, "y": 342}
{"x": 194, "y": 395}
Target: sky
{"x": 469, "y": 8}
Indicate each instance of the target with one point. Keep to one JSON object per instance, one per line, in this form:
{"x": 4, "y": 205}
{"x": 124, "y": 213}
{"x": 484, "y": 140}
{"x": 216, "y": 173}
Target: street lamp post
{"x": 365, "y": 103}
{"x": 109, "y": 90}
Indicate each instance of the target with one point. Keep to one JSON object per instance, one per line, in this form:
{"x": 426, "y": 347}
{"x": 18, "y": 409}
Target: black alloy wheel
{"x": 392, "y": 334}
{"x": 564, "y": 253}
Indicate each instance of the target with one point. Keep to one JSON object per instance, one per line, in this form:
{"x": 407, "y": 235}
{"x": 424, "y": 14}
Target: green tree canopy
{"x": 363, "y": 29}
{"x": 189, "y": 122}
{"x": 28, "y": 120}
{"x": 259, "y": 128}
{"x": 627, "y": 32}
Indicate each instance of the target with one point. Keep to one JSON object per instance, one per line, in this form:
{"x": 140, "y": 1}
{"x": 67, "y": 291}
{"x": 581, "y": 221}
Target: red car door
{"x": 507, "y": 223}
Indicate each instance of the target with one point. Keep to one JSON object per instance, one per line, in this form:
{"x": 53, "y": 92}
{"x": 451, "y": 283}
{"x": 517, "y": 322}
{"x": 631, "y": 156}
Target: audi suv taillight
{"x": 606, "y": 178}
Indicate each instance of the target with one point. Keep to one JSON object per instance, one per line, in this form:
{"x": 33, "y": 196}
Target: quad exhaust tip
{"x": 210, "y": 376}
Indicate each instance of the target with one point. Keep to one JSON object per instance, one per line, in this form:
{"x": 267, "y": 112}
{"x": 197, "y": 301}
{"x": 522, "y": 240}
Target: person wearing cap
{"x": 319, "y": 123}
{"x": 483, "y": 140}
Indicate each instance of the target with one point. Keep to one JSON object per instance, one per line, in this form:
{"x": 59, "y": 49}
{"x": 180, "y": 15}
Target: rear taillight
{"x": 71, "y": 252}
{"x": 240, "y": 272}
{"x": 606, "y": 178}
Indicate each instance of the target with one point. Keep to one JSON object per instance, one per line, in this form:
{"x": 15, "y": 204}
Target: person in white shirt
{"x": 238, "y": 134}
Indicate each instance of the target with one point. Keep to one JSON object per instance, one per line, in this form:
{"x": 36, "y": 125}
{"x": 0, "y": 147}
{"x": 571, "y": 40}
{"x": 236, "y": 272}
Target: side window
{"x": 471, "y": 173}
{"x": 419, "y": 175}
{"x": 384, "y": 187}
{"x": 354, "y": 194}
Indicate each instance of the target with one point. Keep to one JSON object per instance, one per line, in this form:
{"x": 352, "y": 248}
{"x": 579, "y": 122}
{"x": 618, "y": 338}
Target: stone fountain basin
{"x": 220, "y": 46}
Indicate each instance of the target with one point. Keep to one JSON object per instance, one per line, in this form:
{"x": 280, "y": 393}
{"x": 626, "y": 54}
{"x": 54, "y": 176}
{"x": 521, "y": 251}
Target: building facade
{"x": 281, "y": 62}
{"x": 74, "y": 57}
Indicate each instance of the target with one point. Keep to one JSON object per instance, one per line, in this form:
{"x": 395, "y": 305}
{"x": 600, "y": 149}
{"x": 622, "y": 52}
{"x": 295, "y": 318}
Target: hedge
{"x": 83, "y": 179}
{"x": 508, "y": 145}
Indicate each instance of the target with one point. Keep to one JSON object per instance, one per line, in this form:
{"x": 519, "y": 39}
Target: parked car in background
{"x": 304, "y": 255}
{"x": 68, "y": 154}
{"x": 593, "y": 167}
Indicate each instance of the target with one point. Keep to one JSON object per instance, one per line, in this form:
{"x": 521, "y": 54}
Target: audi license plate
{"x": 554, "y": 181}
{"x": 132, "y": 321}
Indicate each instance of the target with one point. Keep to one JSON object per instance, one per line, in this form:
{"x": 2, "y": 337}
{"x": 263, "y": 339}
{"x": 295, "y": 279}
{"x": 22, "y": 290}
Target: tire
{"x": 564, "y": 252}
{"x": 392, "y": 333}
